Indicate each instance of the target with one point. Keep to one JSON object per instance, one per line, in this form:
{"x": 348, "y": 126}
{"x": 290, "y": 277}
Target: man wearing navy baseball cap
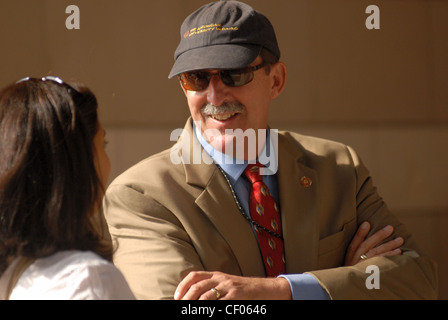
{"x": 280, "y": 216}
{"x": 223, "y": 35}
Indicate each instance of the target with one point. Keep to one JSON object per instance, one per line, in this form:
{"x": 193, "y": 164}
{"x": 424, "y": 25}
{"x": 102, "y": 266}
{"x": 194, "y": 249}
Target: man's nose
{"x": 217, "y": 91}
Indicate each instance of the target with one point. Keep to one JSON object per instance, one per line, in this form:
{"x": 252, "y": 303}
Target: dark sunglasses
{"x": 58, "y": 80}
{"x": 199, "y": 80}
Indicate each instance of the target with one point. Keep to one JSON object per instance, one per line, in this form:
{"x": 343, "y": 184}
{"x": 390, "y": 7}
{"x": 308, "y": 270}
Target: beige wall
{"x": 384, "y": 92}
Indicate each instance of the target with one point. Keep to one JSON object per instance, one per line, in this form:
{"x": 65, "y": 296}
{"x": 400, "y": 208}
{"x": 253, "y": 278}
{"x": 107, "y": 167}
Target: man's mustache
{"x": 226, "y": 107}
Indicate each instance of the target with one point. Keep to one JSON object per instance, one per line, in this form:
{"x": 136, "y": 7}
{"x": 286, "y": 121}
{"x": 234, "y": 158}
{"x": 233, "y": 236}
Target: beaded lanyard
{"x": 255, "y": 224}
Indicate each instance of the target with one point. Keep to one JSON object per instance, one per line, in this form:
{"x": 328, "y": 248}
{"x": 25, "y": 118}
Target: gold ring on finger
{"x": 217, "y": 293}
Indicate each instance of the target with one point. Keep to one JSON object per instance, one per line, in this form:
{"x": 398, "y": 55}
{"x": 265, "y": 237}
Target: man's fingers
{"x": 374, "y": 240}
{"x": 358, "y": 239}
{"x": 371, "y": 246}
{"x": 361, "y": 234}
{"x": 212, "y": 294}
{"x": 386, "y": 248}
{"x": 198, "y": 289}
{"x": 395, "y": 252}
{"x": 190, "y": 281}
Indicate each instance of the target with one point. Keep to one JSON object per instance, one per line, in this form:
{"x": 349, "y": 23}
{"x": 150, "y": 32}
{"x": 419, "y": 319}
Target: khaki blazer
{"x": 167, "y": 219}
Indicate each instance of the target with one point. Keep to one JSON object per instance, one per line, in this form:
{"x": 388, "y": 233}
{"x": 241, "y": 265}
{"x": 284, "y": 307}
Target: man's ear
{"x": 278, "y": 75}
{"x": 183, "y": 89}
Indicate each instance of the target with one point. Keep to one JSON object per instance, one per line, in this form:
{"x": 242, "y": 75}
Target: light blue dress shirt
{"x": 303, "y": 286}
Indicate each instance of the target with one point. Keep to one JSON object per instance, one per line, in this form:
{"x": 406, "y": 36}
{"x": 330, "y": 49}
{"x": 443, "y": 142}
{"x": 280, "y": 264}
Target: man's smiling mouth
{"x": 223, "y": 112}
{"x": 223, "y": 117}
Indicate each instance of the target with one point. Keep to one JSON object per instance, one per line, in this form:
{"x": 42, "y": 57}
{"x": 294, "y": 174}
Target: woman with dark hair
{"x": 53, "y": 172}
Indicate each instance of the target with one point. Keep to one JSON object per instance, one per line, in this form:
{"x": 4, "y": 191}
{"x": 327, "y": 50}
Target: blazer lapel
{"x": 219, "y": 205}
{"x": 297, "y": 187}
{"x": 217, "y": 202}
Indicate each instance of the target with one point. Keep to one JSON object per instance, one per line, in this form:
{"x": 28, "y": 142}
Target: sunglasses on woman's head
{"x": 199, "y": 80}
{"x": 57, "y": 80}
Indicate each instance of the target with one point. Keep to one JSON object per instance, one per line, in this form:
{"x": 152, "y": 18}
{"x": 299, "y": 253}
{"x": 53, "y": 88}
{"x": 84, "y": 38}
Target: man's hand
{"x": 370, "y": 247}
{"x": 205, "y": 285}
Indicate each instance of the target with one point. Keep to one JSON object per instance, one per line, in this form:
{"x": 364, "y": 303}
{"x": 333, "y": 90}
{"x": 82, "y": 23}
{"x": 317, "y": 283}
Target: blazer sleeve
{"x": 411, "y": 275}
{"x": 153, "y": 250}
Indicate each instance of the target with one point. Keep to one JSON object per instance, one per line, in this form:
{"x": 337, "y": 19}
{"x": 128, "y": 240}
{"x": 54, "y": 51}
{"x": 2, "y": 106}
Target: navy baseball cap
{"x": 223, "y": 35}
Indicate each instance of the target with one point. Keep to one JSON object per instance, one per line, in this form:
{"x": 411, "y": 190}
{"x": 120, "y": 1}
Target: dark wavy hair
{"x": 49, "y": 186}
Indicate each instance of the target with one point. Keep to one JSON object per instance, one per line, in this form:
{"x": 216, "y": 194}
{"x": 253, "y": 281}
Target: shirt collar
{"x": 234, "y": 168}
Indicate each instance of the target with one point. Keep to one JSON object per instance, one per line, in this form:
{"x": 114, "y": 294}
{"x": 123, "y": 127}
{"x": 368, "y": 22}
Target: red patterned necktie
{"x": 264, "y": 212}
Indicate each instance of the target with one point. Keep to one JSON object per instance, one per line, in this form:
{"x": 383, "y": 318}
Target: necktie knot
{"x": 252, "y": 172}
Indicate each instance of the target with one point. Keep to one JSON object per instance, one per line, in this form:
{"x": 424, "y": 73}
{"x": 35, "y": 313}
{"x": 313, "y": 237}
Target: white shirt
{"x": 72, "y": 275}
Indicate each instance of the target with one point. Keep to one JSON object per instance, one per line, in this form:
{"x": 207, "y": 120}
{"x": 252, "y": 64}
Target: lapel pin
{"x": 306, "y": 182}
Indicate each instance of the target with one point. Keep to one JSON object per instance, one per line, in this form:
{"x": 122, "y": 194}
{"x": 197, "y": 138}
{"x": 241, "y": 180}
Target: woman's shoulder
{"x": 72, "y": 275}
{"x": 66, "y": 258}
